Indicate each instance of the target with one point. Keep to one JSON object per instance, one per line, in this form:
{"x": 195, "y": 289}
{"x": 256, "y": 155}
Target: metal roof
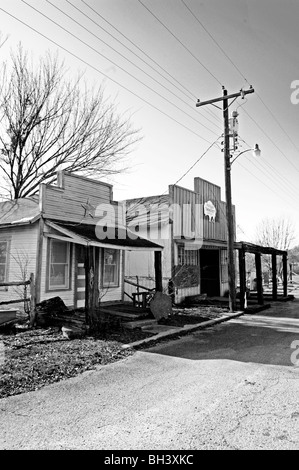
{"x": 19, "y": 211}
{"x": 117, "y": 237}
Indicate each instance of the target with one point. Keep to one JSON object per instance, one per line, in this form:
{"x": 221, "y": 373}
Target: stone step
{"x": 140, "y": 324}
{"x": 125, "y": 315}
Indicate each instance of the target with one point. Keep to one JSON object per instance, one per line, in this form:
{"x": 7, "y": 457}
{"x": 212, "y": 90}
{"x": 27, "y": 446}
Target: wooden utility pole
{"x": 228, "y": 193}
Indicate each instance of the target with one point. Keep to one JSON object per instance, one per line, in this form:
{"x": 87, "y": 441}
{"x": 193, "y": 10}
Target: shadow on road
{"x": 266, "y": 338}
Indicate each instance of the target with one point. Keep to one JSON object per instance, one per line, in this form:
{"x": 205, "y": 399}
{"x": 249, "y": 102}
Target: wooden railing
{"x": 140, "y": 299}
{"x": 31, "y": 299}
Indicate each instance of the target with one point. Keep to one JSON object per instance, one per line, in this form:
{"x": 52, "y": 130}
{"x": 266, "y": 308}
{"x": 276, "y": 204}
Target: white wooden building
{"x": 71, "y": 231}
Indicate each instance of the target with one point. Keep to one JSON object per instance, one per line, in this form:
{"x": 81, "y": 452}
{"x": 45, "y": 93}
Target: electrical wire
{"x": 183, "y": 89}
{"x": 260, "y": 98}
{"x": 131, "y": 62}
{"x": 182, "y": 44}
{"x": 105, "y": 75}
{"x": 116, "y": 65}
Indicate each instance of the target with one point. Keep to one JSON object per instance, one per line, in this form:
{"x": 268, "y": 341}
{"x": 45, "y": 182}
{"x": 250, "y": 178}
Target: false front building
{"x": 191, "y": 225}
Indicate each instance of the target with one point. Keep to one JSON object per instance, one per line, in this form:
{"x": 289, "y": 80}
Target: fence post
{"x": 32, "y": 301}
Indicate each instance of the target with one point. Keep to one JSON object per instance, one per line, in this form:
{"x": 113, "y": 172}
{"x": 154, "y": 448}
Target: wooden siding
{"x": 79, "y": 200}
{"x": 180, "y": 294}
{"x": 22, "y": 252}
{"x": 183, "y": 221}
{"x": 186, "y": 213}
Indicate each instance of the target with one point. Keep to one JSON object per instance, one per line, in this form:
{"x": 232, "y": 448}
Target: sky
{"x": 156, "y": 58}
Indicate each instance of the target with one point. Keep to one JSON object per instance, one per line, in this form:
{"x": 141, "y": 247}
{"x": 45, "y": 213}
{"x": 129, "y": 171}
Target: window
{"x": 59, "y": 265}
{"x": 224, "y": 266}
{"x": 111, "y": 268}
{"x": 188, "y": 257}
{"x": 3, "y": 262}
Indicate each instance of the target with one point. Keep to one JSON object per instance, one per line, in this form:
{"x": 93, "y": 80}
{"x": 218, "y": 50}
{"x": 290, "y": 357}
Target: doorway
{"x": 209, "y": 272}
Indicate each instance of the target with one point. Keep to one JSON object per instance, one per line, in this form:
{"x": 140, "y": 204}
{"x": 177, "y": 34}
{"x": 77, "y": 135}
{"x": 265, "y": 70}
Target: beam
{"x": 221, "y": 98}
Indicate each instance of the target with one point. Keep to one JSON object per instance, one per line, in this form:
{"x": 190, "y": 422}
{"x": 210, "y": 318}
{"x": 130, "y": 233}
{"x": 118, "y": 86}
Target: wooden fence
{"x": 31, "y": 299}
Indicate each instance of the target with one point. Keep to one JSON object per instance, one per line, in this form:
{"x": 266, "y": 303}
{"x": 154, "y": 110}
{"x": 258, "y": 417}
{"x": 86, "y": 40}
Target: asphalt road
{"x": 231, "y": 386}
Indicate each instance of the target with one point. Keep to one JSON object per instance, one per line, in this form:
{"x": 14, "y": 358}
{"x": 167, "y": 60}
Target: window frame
{"x": 67, "y": 286}
{"x": 115, "y": 283}
{"x": 187, "y": 257}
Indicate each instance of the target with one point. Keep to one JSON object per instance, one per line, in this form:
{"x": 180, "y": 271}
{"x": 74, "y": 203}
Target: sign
{"x": 210, "y": 210}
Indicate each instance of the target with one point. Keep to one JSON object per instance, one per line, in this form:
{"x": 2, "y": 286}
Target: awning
{"x": 119, "y": 237}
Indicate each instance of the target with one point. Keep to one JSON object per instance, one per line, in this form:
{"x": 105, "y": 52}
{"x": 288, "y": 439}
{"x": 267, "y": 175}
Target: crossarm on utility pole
{"x": 227, "y": 173}
{"x": 228, "y": 97}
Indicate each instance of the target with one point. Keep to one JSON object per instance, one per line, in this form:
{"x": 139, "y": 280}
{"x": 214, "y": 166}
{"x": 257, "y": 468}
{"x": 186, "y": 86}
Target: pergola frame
{"x": 258, "y": 251}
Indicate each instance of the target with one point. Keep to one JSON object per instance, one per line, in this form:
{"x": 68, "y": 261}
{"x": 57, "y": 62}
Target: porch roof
{"x": 264, "y": 250}
{"x": 117, "y": 237}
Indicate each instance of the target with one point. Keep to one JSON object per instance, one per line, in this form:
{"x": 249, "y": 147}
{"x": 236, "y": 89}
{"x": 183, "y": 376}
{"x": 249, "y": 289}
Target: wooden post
{"x": 91, "y": 286}
{"x": 158, "y": 271}
{"x": 242, "y": 274}
{"x": 274, "y": 277}
{"x": 285, "y": 274}
{"x": 39, "y": 256}
{"x": 32, "y": 301}
{"x": 229, "y": 209}
{"x": 259, "y": 279}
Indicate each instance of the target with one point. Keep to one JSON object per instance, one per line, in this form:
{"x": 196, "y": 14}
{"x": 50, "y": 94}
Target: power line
{"x": 124, "y": 57}
{"x": 105, "y": 75}
{"x": 277, "y": 122}
{"x": 182, "y": 44}
{"x": 214, "y": 40}
{"x": 195, "y": 163}
{"x": 261, "y": 181}
{"x": 242, "y": 75}
{"x": 114, "y": 63}
{"x": 280, "y": 179}
{"x": 188, "y": 94}
{"x": 271, "y": 140}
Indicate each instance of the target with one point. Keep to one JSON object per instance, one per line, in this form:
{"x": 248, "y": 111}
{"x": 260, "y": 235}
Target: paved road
{"x": 232, "y": 386}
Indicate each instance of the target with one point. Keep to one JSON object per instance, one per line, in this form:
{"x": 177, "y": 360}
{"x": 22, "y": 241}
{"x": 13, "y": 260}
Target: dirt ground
{"x": 31, "y": 359}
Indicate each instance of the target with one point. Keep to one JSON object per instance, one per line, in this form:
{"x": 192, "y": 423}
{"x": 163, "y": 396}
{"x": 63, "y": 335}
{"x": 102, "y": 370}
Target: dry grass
{"x": 32, "y": 359}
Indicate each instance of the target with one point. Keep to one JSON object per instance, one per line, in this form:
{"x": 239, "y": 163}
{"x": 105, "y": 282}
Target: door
{"x": 209, "y": 272}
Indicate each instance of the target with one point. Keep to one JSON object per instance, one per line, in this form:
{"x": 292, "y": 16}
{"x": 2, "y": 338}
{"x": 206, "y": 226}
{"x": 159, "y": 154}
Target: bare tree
{"x": 276, "y": 232}
{"x": 50, "y": 123}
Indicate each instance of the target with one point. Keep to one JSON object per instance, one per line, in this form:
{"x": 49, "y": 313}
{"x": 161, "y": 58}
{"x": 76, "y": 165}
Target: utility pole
{"x": 228, "y": 192}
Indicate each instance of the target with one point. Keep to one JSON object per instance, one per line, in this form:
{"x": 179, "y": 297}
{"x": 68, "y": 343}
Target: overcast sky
{"x": 156, "y": 58}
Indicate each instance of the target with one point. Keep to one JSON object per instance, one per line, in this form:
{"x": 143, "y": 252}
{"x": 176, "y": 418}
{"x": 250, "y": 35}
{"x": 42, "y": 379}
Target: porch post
{"x": 158, "y": 271}
{"x": 259, "y": 280}
{"x": 285, "y": 274}
{"x": 242, "y": 275}
{"x": 274, "y": 277}
{"x": 91, "y": 285}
